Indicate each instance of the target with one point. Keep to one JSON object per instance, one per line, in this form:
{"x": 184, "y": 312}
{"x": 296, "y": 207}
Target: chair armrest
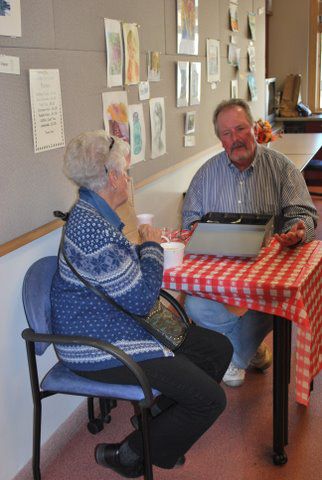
{"x": 176, "y": 305}
{"x": 30, "y": 336}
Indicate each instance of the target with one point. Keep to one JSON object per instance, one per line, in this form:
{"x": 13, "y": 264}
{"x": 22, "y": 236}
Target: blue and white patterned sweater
{"x": 132, "y": 275}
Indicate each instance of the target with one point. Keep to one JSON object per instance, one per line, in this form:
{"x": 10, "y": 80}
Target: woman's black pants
{"x": 191, "y": 399}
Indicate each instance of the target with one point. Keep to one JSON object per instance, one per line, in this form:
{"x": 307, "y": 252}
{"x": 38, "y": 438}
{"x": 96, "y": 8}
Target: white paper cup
{"x": 173, "y": 254}
{"x": 145, "y": 218}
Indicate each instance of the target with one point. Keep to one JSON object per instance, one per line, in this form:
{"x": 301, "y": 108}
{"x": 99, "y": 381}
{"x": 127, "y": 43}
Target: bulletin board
{"x": 68, "y": 36}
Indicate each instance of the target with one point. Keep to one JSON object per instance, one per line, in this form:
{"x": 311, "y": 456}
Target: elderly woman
{"x": 192, "y": 398}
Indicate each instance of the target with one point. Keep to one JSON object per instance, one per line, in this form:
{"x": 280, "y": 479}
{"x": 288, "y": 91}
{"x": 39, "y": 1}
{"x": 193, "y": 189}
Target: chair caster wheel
{"x": 95, "y": 426}
{"x": 280, "y": 458}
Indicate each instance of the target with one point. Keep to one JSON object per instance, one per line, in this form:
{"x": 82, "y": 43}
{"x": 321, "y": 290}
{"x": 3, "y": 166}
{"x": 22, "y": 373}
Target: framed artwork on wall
{"x": 187, "y": 27}
{"x": 153, "y": 61}
{"x": 114, "y": 52}
{"x": 195, "y": 83}
{"x": 115, "y": 114}
{"x": 10, "y": 18}
{"x": 157, "y": 116}
{"x": 132, "y": 53}
{"x": 190, "y": 123}
{"x": 213, "y": 60}
{"x": 251, "y": 80}
{"x": 182, "y": 84}
{"x": 137, "y": 133}
{"x": 234, "y": 88}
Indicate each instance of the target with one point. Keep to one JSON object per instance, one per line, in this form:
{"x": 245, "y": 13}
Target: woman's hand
{"x": 149, "y": 234}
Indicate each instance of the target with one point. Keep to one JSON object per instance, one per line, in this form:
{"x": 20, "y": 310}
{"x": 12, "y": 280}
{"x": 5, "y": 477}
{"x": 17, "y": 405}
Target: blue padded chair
{"x": 59, "y": 379}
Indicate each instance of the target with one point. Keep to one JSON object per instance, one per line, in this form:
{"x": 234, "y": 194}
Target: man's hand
{"x": 293, "y": 236}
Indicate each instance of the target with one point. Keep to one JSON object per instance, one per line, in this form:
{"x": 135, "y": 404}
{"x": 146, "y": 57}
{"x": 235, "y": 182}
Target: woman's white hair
{"x": 89, "y": 157}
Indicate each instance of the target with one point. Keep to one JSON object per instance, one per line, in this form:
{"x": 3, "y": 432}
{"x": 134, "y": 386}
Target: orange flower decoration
{"x": 264, "y": 133}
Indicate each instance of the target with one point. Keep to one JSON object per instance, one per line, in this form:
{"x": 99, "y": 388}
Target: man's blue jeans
{"x": 245, "y": 333}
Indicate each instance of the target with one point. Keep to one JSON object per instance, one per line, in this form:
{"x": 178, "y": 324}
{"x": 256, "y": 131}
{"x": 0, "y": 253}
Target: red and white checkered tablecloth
{"x": 283, "y": 281}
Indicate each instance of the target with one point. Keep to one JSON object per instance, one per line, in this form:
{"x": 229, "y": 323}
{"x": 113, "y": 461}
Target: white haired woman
{"x": 189, "y": 379}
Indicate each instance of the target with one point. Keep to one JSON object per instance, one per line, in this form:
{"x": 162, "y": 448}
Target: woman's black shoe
{"x": 108, "y": 455}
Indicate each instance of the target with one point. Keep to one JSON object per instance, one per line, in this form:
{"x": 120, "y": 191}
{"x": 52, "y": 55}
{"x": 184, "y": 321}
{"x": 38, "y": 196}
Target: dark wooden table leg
{"x": 281, "y": 352}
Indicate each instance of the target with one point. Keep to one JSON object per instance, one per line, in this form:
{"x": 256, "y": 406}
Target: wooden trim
{"x": 18, "y": 242}
{"x": 313, "y": 64}
{"x": 28, "y": 237}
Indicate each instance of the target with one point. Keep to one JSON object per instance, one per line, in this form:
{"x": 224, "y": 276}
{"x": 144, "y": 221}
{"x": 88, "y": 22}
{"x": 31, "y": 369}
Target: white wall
{"x": 15, "y": 398}
{"x": 163, "y": 198}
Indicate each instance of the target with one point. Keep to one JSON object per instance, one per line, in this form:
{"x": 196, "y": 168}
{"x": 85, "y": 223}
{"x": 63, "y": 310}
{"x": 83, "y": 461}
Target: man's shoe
{"x": 108, "y": 455}
{"x": 234, "y": 376}
{"x": 262, "y": 358}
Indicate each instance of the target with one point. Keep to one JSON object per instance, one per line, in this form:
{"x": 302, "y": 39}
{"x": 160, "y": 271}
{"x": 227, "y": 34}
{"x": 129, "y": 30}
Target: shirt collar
{"x": 101, "y": 206}
{"x": 251, "y": 166}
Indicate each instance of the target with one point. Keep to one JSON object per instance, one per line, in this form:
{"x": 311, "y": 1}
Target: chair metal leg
{"x": 148, "y": 473}
{"x": 280, "y": 390}
{"x": 36, "y": 439}
{"x": 90, "y": 408}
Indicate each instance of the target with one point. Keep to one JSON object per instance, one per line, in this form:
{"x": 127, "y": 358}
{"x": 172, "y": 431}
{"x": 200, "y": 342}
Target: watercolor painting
{"x": 182, "y": 84}
{"x": 114, "y": 52}
{"x": 115, "y": 114}
{"x": 251, "y": 80}
{"x": 195, "y": 83}
{"x": 251, "y": 57}
{"x": 132, "y": 53}
{"x": 5, "y": 8}
{"x": 252, "y": 25}
{"x": 144, "y": 91}
{"x": 234, "y": 88}
{"x": 234, "y": 55}
{"x": 190, "y": 122}
{"x": 137, "y": 133}
{"x": 10, "y": 18}
{"x": 213, "y": 60}
{"x": 158, "y": 127}
{"x": 187, "y": 27}
{"x": 154, "y": 67}
{"x": 233, "y": 13}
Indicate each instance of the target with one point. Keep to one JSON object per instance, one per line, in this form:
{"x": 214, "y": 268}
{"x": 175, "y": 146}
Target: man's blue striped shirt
{"x": 271, "y": 185}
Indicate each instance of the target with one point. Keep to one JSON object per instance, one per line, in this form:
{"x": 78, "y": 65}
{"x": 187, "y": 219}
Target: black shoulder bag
{"x": 161, "y": 323}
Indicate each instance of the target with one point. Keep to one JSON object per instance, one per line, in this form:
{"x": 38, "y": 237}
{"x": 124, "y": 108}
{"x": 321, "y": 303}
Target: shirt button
{"x": 239, "y": 201}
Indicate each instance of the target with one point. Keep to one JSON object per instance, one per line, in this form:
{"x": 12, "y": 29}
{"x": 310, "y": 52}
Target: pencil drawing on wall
{"x": 195, "y": 83}
{"x": 157, "y": 116}
{"x": 182, "y": 84}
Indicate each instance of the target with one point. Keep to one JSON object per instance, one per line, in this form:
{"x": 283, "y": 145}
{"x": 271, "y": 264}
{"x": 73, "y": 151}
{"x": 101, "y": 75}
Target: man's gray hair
{"x": 90, "y": 155}
{"x": 226, "y": 104}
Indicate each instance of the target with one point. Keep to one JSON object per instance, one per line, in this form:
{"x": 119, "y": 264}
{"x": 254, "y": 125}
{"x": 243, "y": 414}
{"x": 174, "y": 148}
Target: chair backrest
{"x": 36, "y": 297}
